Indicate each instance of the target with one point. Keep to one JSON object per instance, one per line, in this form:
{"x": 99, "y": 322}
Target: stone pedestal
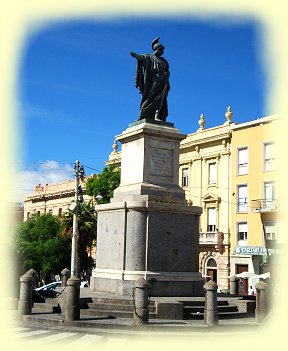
{"x": 147, "y": 230}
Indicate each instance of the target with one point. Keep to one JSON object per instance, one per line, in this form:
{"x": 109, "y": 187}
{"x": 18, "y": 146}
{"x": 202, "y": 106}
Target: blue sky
{"x": 77, "y": 91}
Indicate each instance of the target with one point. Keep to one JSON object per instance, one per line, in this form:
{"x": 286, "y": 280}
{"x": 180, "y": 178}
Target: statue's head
{"x": 157, "y": 47}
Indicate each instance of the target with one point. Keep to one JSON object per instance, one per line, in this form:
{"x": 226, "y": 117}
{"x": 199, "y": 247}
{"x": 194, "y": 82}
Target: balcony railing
{"x": 264, "y": 205}
{"x": 211, "y": 238}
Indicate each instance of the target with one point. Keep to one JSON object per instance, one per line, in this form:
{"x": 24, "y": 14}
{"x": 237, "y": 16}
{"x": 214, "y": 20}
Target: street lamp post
{"x": 75, "y": 224}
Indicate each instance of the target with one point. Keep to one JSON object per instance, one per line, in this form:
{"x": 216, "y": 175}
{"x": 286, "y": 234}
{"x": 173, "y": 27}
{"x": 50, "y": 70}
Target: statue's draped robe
{"x": 152, "y": 80}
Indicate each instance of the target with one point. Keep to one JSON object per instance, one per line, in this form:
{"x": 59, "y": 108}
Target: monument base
{"x": 150, "y": 240}
{"x": 162, "y": 283}
{"x": 148, "y": 230}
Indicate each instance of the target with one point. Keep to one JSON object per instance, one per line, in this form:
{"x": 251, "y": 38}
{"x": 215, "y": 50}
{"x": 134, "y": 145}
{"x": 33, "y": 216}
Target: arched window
{"x": 211, "y": 269}
{"x": 211, "y": 263}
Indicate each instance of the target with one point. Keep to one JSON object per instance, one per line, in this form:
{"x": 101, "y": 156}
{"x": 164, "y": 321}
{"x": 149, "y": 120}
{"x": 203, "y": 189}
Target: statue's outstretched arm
{"x": 133, "y": 54}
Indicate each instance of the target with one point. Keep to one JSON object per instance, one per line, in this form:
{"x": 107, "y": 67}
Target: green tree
{"x": 87, "y": 228}
{"x": 41, "y": 246}
{"x": 106, "y": 182}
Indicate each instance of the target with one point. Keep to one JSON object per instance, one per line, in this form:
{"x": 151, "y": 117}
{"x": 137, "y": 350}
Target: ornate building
{"x": 205, "y": 159}
{"x": 54, "y": 198}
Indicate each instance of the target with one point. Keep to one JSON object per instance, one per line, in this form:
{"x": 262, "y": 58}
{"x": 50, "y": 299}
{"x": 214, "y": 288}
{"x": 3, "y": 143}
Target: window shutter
{"x": 269, "y": 151}
{"x": 212, "y": 173}
{"x": 243, "y": 156}
{"x": 242, "y": 227}
{"x": 242, "y": 192}
{"x": 211, "y": 216}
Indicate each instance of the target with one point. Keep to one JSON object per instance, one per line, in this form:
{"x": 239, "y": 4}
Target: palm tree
{"x": 87, "y": 228}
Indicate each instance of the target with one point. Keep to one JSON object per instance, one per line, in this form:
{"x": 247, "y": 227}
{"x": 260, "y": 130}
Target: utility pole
{"x": 79, "y": 173}
{"x": 75, "y": 235}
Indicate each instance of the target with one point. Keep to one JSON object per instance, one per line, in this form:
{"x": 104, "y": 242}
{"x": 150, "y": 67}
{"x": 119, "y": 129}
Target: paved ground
{"x": 51, "y": 328}
{"x": 81, "y": 336}
{"x": 33, "y": 335}
{"x": 123, "y": 327}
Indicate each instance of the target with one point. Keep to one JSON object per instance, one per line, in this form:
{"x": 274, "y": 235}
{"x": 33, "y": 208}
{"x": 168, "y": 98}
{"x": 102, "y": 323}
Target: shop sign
{"x": 252, "y": 250}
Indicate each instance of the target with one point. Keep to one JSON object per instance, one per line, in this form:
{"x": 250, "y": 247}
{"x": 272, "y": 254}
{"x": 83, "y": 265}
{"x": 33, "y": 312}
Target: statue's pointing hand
{"x": 133, "y": 54}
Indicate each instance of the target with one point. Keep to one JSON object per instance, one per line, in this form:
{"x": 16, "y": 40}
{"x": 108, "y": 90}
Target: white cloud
{"x": 48, "y": 172}
{"x": 49, "y": 165}
{"x": 32, "y": 111}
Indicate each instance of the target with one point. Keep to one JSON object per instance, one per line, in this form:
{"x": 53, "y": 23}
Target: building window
{"x": 211, "y": 219}
{"x": 211, "y": 269}
{"x": 242, "y": 233}
{"x": 28, "y": 215}
{"x": 269, "y": 156}
{"x": 185, "y": 176}
{"x": 270, "y": 230}
{"x": 51, "y": 211}
{"x": 211, "y": 263}
{"x": 38, "y": 213}
{"x": 242, "y": 198}
{"x": 60, "y": 212}
{"x": 212, "y": 171}
{"x": 242, "y": 160}
{"x": 269, "y": 196}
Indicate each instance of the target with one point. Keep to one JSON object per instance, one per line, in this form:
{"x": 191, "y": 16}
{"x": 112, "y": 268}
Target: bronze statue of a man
{"x": 152, "y": 80}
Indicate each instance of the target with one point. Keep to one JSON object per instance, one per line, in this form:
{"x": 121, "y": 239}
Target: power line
{"x": 229, "y": 202}
{"x": 93, "y": 169}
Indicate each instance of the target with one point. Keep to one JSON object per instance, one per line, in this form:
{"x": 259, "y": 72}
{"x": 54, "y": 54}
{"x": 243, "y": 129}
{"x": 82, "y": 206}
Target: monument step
{"x": 195, "y": 309}
{"x": 221, "y": 315}
{"x": 46, "y": 307}
{"x": 202, "y": 303}
{"x": 115, "y": 307}
{"x": 111, "y": 314}
{"x": 117, "y": 300}
{"x": 108, "y": 323}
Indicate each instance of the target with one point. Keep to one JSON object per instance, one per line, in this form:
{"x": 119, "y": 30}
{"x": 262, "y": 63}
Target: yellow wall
{"x": 252, "y": 136}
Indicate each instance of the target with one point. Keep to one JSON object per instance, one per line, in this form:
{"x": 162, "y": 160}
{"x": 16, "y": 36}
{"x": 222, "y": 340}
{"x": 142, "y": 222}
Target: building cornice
{"x": 193, "y": 139}
{"x": 256, "y": 122}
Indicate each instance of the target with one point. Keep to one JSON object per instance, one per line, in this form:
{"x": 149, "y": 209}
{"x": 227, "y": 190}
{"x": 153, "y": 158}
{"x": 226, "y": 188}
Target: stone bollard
{"x": 73, "y": 297}
{"x": 210, "y": 312}
{"x": 27, "y": 283}
{"x": 233, "y": 285}
{"x": 65, "y": 274}
{"x": 141, "y": 292}
{"x": 262, "y": 301}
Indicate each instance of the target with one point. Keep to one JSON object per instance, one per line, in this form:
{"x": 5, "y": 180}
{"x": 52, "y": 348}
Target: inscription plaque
{"x": 161, "y": 162}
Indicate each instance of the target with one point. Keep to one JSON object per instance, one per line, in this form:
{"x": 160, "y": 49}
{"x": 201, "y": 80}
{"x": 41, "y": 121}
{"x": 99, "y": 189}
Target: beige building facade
{"x": 54, "y": 198}
{"x": 205, "y": 175}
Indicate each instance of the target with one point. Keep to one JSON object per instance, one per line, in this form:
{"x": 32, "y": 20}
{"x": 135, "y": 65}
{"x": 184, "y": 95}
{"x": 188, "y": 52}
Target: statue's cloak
{"x": 152, "y": 80}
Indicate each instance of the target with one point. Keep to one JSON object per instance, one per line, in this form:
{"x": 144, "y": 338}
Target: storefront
{"x": 252, "y": 259}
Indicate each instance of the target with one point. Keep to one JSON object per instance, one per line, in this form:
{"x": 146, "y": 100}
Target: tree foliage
{"x": 87, "y": 228}
{"x": 41, "y": 246}
{"x": 106, "y": 182}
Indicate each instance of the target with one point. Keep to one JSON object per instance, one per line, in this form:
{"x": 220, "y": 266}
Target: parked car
{"x": 84, "y": 284}
{"x": 45, "y": 291}
{"x": 50, "y": 286}
{"x": 50, "y": 290}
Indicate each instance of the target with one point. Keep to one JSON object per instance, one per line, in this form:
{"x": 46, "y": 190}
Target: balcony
{"x": 264, "y": 205}
{"x": 214, "y": 238}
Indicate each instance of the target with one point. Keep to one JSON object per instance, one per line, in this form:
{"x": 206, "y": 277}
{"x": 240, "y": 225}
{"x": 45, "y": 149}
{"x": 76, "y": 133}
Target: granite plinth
{"x": 150, "y": 240}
